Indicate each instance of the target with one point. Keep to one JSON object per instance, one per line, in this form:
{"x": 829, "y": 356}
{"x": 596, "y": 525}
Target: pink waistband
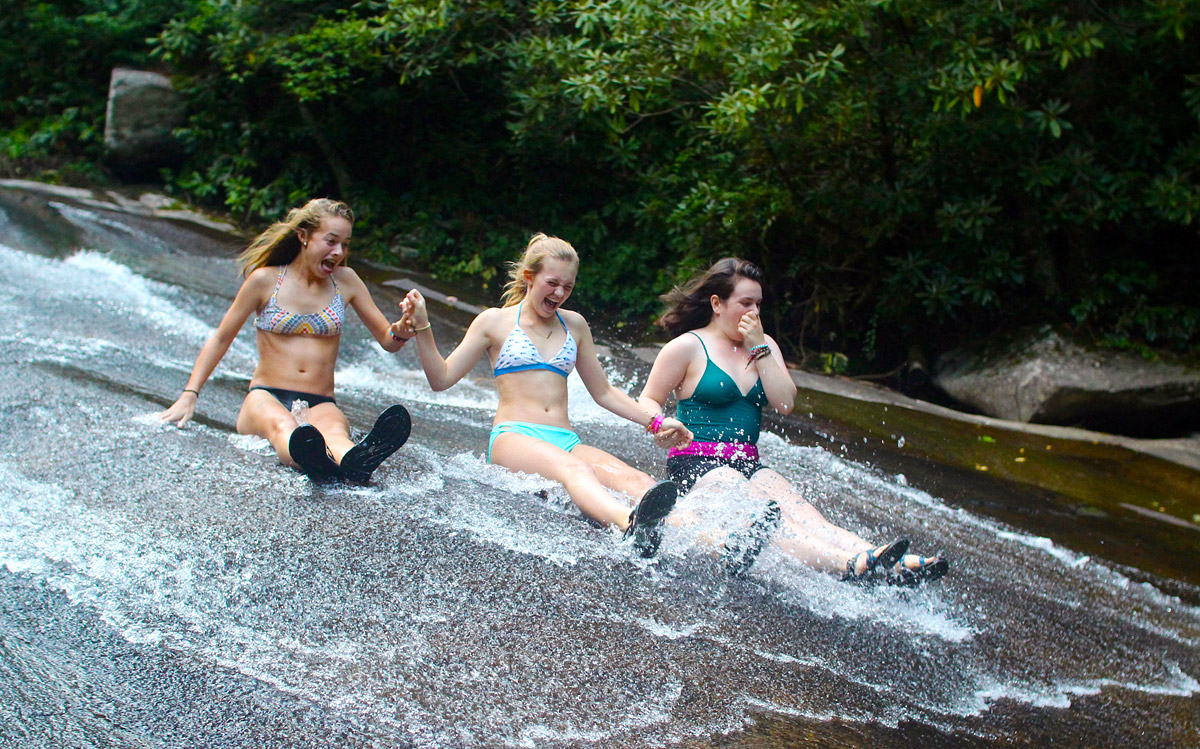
{"x": 726, "y": 450}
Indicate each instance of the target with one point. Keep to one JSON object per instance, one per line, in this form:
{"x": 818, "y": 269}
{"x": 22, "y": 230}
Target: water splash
{"x": 453, "y": 603}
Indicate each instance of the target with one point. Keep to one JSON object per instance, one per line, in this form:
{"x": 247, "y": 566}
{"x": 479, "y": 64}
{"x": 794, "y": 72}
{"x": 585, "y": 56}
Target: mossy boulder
{"x": 1047, "y": 376}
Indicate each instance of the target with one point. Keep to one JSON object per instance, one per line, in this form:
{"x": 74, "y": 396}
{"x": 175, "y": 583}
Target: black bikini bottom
{"x": 288, "y": 397}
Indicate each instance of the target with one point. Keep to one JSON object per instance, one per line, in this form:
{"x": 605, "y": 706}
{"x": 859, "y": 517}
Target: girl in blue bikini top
{"x": 519, "y": 354}
{"x": 533, "y": 348}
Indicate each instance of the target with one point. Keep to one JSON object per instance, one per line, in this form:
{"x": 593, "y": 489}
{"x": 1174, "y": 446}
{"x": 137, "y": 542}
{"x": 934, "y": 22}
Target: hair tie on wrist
{"x": 428, "y": 325}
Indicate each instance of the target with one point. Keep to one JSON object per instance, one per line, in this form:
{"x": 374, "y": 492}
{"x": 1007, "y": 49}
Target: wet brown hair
{"x": 690, "y": 306}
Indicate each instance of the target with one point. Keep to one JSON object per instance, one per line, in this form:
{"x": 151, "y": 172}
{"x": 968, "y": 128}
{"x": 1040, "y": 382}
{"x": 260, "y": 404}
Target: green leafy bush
{"x": 906, "y": 171}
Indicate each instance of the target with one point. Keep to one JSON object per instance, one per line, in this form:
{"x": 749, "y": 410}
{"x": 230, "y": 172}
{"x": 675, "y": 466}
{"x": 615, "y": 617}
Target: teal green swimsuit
{"x": 717, "y": 410}
{"x": 725, "y": 424}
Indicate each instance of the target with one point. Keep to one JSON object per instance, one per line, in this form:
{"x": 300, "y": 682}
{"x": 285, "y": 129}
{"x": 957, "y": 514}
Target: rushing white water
{"x": 452, "y": 603}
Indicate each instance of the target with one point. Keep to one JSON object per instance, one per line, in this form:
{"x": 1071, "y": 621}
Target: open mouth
{"x": 328, "y": 265}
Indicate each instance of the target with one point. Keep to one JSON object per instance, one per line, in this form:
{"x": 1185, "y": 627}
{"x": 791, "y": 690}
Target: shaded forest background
{"x": 912, "y": 175}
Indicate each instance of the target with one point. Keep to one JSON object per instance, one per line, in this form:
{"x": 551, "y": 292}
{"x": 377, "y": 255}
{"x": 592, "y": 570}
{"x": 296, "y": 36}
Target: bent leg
{"x": 520, "y": 452}
{"x": 806, "y": 534}
{"x": 613, "y": 472}
{"x": 264, "y": 416}
{"x": 720, "y": 481}
{"x": 333, "y": 426}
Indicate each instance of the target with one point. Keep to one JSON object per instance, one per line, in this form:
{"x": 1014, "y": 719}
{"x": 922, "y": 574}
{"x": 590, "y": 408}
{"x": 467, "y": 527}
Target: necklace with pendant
{"x": 533, "y": 328}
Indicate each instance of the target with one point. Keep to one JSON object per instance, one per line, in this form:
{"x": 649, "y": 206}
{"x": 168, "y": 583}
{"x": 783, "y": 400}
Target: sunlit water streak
{"x": 453, "y": 603}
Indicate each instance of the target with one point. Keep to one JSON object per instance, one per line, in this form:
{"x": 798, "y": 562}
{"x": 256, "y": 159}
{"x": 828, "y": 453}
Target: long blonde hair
{"x": 279, "y": 245}
{"x": 539, "y": 249}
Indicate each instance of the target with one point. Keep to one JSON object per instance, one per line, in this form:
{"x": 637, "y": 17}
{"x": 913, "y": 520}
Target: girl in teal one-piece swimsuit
{"x": 723, "y": 369}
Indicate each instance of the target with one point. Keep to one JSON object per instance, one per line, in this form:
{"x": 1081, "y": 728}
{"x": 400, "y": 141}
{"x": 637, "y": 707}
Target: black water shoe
{"x": 742, "y": 547}
{"x": 645, "y": 522}
{"x": 913, "y": 570}
{"x": 885, "y": 556}
{"x": 308, "y": 451}
{"x": 390, "y": 432}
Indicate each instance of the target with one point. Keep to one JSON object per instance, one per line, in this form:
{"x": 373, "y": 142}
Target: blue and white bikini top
{"x": 327, "y": 322}
{"x": 518, "y": 353}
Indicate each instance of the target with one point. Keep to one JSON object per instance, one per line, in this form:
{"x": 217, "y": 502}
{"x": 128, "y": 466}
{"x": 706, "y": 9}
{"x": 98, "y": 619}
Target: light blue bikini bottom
{"x": 557, "y": 436}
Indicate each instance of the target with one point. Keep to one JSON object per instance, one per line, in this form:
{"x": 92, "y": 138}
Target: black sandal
{"x": 390, "y": 432}
{"x": 887, "y": 556}
{"x": 645, "y": 522}
{"x": 927, "y": 570}
{"x": 308, "y": 451}
{"x": 743, "y": 547}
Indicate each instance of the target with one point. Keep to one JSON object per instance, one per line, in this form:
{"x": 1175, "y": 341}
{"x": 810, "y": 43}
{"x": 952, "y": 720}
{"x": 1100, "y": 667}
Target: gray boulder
{"x": 143, "y": 110}
{"x": 1045, "y": 377}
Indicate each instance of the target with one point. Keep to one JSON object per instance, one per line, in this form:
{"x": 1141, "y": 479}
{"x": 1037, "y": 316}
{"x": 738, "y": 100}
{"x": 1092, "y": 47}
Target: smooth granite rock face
{"x": 143, "y": 110}
{"x": 1046, "y": 378}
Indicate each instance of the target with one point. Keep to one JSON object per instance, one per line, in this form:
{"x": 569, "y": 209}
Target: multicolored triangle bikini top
{"x": 327, "y": 322}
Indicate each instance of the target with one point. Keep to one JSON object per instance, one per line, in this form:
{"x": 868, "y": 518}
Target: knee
{"x": 724, "y": 479}
{"x": 770, "y": 482}
{"x": 576, "y": 471}
{"x": 279, "y": 428}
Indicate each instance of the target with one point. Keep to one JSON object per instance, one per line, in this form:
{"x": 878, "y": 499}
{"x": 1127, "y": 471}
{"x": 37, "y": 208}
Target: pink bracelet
{"x": 655, "y": 424}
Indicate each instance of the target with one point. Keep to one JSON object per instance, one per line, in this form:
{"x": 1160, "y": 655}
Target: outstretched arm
{"x": 445, "y": 372}
{"x": 667, "y": 374}
{"x": 390, "y": 335}
{"x": 247, "y": 300}
{"x": 671, "y": 432}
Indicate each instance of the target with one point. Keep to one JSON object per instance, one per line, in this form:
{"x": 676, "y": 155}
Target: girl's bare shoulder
{"x": 494, "y": 319}
{"x": 261, "y": 280}
{"x": 346, "y": 274}
{"x": 266, "y": 272}
{"x": 494, "y": 315}
{"x": 349, "y": 282}
{"x": 576, "y": 322}
{"x": 684, "y": 345}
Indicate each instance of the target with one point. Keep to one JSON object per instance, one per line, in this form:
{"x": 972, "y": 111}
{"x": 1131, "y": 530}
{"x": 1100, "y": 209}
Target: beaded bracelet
{"x": 395, "y": 337}
{"x": 655, "y": 424}
{"x": 758, "y": 352}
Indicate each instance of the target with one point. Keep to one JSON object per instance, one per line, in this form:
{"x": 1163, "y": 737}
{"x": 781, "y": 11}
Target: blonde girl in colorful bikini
{"x": 297, "y": 282}
{"x": 533, "y": 344}
{"x": 723, "y": 369}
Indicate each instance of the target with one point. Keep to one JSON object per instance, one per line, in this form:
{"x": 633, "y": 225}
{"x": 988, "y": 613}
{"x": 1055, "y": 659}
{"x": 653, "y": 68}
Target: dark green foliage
{"x": 921, "y": 172}
{"x": 55, "y": 62}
